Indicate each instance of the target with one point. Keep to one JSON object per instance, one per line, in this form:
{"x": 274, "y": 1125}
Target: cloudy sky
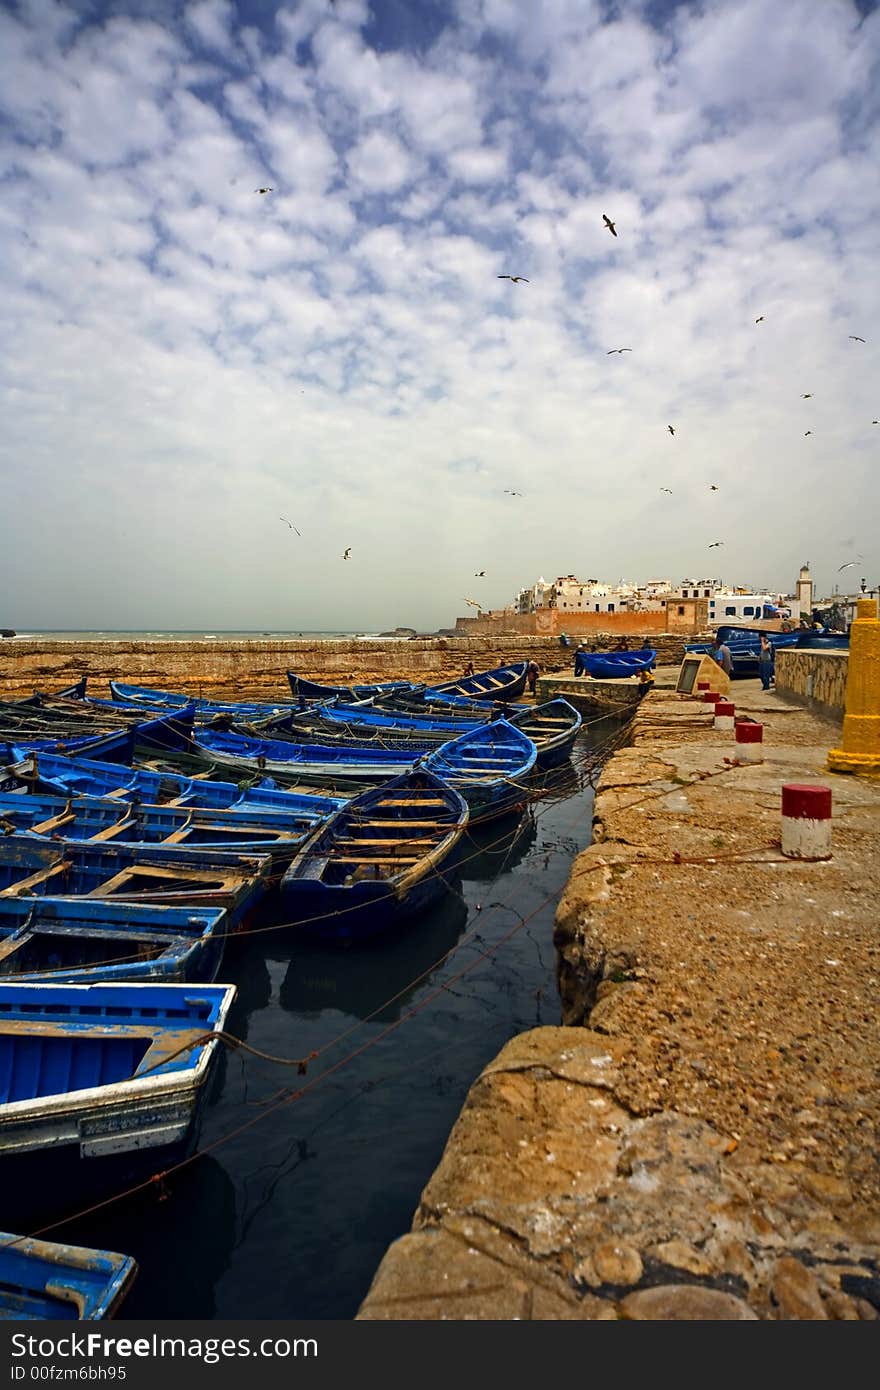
{"x": 184, "y": 360}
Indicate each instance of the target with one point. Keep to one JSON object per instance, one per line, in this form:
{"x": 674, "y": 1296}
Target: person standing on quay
{"x": 765, "y": 662}
{"x": 532, "y": 671}
{"x": 721, "y": 654}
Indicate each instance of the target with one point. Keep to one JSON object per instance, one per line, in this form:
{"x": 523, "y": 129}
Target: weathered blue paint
{"x": 43, "y": 1279}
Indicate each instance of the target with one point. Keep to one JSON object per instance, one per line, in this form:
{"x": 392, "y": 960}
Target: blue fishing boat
{"x": 167, "y": 732}
{"x": 379, "y": 861}
{"x": 53, "y": 772}
{"x": 745, "y": 645}
{"x": 96, "y": 940}
{"x": 106, "y": 1069}
{"x": 172, "y": 877}
{"x": 610, "y": 666}
{"x": 501, "y": 683}
{"x": 133, "y": 697}
{"x": 315, "y": 761}
{"x": 45, "y": 1280}
{"x": 306, "y": 691}
{"x": 490, "y": 766}
{"x": 552, "y": 728}
{"x": 107, "y": 820}
{"x": 486, "y": 764}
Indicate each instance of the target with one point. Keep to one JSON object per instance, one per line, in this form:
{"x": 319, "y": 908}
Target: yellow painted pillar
{"x": 860, "y": 750}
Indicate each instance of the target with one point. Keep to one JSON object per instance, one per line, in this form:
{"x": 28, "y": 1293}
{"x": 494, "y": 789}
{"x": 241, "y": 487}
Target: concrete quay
{"x": 698, "y": 1139}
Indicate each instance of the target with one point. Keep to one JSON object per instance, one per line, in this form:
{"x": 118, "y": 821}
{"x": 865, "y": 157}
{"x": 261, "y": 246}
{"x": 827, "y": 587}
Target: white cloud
{"x": 174, "y": 344}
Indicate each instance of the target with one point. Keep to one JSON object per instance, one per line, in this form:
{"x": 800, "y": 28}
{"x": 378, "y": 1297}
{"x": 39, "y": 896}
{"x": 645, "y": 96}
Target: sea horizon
{"x": 191, "y": 634}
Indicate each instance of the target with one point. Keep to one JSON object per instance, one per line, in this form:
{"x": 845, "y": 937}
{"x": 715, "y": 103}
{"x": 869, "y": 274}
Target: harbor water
{"x": 303, "y": 1179}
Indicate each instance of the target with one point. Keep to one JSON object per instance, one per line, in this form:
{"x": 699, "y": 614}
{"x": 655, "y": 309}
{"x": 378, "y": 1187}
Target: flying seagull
{"x": 347, "y": 552}
{"x": 856, "y": 338}
{"x": 714, "y": 544}
{"x": 875, "y": 422}
{"x": 473, "y": 603}
{"x": 713, "y": 487}
{"x": 667, "y": 489}
{"x": 515, "y": 278}
{"x": 847, "y": 565}
{"x": 759, "y": 319}
{"x": 480, "y": 574}
{"x": 511, "y": 492}
{"x": 807, "y": 396}
{"x": 264, "y": 190}
{"x": 290, "y": 524}
{"x": 610, "y": 350}
{"x": 806, "y": 432}
{"x": 671, "y": 430}
{"x": 609, "y": 224}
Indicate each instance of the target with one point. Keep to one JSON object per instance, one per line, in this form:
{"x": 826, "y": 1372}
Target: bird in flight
{"x": 609, "y": 224}
{"x": 515, "y": 278}
{"x": 714, "y": 544}
{"x": 847, "y": 565}
{"x": 347, "y": 552}
{"x": 713, "y": 487}
{"x": 875, "y": 422}
{"x": 264, "y": 190}
{"x": 806, "y": 432}
{"x": 610, "y": 350}
{"x": 473, "y": 603}
{"x": 759, "y": 319}
{"x": 480, "y": 574}
{"x": 856, "y": 338}
{"x": 667, "y": 489}
{"x": 290, "y": 524}
{"x": 511, "y": 492}
{"x": 806, "y": 396}
{"x": 671, "y": 430}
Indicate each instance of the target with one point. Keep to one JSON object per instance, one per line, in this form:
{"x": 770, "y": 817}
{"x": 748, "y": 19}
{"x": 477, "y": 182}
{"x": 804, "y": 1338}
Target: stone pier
{"x": 698, "y": 1137}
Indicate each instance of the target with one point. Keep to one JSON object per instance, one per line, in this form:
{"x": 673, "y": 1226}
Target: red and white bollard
{"x": 710, "y": 696}
{"x": 725, "y": 713}
{"x": 806, "y": 821}
{"x": 749, "y": 742}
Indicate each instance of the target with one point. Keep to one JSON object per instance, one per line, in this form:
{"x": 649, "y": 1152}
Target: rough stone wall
{"x": 257, "y": 669}
{"x": 816, "y": 679}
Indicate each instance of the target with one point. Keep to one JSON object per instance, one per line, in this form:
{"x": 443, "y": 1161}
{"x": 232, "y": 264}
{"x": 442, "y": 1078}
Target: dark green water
{"x": 293, "y": 1208}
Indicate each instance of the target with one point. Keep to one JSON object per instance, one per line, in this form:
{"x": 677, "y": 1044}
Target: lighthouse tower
{"x": 804, "y": 591}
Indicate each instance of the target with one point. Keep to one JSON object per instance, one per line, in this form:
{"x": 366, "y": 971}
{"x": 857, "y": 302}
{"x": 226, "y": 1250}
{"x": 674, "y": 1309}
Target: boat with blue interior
{"x": 106, "y": 1069}
{"x": 47, "y": 1280}
{"x": 378, "y": 862}
{"x": 81, "y": 940}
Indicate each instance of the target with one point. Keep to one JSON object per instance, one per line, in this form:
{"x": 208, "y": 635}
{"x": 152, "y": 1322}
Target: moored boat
{"x": 552, "y": 727}
{"x": 172, "y": 877}
{"x": 55, "y": 772}
{"x": 81, "y": 940}
{"x": 105, "y": 1069}
{"x": 610, "y": 666}
{"x": 307, "y": 690}
{"x": 502, "y": 682}
{"x": 490, "y": 766}
{"x": 107, "y": 820}
{"x": 44, "y": 1279}
{"x": 378, "y": 861}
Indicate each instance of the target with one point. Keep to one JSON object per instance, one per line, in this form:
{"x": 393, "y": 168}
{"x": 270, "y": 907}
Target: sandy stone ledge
{"x": 699, "y": 1139}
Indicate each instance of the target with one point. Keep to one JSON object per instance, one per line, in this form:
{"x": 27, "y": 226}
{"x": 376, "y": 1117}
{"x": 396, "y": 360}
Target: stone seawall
{"x": 816, "y": 679}
{"x": 257, "y": 669}
{"x": 697, "y": 1140}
